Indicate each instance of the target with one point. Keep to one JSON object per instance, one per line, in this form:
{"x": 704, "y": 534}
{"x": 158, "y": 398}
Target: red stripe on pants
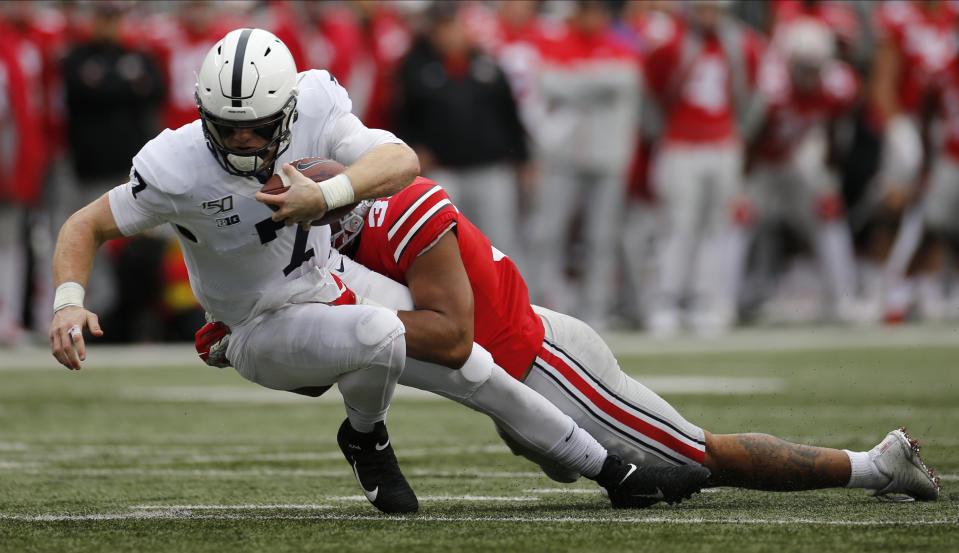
{"x": 637, "y": 424}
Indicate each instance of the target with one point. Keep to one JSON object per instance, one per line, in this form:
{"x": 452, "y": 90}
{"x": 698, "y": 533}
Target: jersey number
{"x": 267, "y": 230}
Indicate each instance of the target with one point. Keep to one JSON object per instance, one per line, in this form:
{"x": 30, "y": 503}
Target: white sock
{"x": 864, "y": 473}
{"x": 579, "y": 451}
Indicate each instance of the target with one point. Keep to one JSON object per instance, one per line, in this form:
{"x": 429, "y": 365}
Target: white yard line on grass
{"x": 597, "y": 491}
{"x": 25, "y": 468}
{"x": 174, "y": 514}
{"x": 476, "y": 498}
{"x": 248, "y": 507}
{"x": 235, "y": 473}
{"x": 802, "y": 338}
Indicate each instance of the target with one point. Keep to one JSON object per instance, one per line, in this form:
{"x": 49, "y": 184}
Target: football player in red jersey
{"x": 939, "y": 207}
{"x": 916, "y": 43}
{"x": 417, "y": 235}
{"x": 806, "y": 92}
{"x": 701, "y": 74}
{"x": 466, "y": 290}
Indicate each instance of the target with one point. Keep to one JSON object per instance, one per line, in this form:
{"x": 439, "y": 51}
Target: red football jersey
{"x": 791, "y": 114}
{"x": 949, "y": 110}
{"x": 401, "y": 227}
{"x": 697, "y": 94}
{"x": 926, "y": 40}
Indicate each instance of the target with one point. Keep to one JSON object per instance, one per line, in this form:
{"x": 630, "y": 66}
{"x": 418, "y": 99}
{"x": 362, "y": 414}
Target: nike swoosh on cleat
{"x": 657, "y": 495}
{"x": 382, "y": 447}
{"x": 370, "y": 494}
{"x": 632, "y": 469}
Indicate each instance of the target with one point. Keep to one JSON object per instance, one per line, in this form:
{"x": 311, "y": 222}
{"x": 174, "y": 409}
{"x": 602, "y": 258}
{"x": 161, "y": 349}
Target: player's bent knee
{"x": 378, "y": 327}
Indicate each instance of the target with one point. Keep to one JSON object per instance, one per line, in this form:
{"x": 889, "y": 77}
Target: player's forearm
{"x": 435, "y": 338}
{"x": 77, "y": 244}
{"x": 383, "y": 171}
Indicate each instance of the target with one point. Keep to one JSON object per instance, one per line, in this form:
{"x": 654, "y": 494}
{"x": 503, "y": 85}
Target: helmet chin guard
{"x": 247, "y": 82}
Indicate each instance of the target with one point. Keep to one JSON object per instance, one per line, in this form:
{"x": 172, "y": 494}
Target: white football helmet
{"x": 247, "y": 81}
{"x": 808, "y": 42}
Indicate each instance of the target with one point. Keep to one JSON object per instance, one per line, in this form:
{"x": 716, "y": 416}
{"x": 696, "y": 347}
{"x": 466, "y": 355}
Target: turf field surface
{"x": 146, "y": 449}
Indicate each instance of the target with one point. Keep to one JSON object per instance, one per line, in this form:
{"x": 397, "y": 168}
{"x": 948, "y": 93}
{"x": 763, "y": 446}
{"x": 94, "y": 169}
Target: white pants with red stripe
{"x": 578, "y": 373}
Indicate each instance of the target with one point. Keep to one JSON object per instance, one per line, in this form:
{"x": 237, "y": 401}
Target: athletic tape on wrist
{"x": 68, "y": 294}
{"x": 337, "y": 191}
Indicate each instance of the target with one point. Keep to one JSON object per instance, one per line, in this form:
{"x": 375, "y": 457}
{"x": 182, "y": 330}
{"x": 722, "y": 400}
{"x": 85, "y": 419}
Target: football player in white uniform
{"x": 261, "y": 277}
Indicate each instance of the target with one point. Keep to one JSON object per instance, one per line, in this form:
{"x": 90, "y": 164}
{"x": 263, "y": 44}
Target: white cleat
{"x": 897, "y": 456}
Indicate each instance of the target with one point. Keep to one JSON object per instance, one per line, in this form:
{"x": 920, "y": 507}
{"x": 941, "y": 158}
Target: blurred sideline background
{"x": 675, "y": 167}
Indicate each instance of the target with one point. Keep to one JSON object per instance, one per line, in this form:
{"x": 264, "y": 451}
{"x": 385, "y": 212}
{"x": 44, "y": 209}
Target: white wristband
{"x": 68, "y": 294}
{"x": 337, "y": 191}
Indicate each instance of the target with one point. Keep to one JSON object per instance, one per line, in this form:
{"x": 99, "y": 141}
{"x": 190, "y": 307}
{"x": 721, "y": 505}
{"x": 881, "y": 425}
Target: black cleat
{"x": 376, "y": 469}
{"x": 632, "y": 487}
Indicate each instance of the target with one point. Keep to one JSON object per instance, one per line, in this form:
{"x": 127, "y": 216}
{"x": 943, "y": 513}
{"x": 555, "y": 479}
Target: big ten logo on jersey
{"x": 227, "y": 221}
{"x": 377, "y": 213}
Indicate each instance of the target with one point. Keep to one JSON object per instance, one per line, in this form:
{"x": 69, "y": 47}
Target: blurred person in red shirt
{"x": 792, "y": 160}
{"x": 703, "y": 76}
{"x": 180, "y": 40}
{"x": 362, "y": 45}
{"x": 645, "y": 25}
{"x": 20, "y": 160}
{"x": 916, "y": 43}
{"x": 940, "y": 208}
{"x": 590, "y": 85}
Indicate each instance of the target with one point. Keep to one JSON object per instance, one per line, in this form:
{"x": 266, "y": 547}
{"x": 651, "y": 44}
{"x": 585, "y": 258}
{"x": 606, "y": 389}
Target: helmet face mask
{"x": 275, "y": 129}
{"x": 247, "y": 82}
{"x": 345, "y": 231}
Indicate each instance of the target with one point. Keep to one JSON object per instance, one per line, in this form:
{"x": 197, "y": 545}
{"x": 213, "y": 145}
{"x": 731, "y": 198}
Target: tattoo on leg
{"x": 765, "y": 462}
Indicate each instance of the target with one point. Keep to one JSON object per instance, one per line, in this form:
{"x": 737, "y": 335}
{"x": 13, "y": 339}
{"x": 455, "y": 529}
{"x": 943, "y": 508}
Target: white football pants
{"x": 562, "y": 193}
{"x": 359, "y": 347}
{"x": 577, "y": 372}
{"x": 12, "y": 270}
{"x": 488, "y": 196}
{"x": 697, "y": 185}
{"x": 789, "y": 194}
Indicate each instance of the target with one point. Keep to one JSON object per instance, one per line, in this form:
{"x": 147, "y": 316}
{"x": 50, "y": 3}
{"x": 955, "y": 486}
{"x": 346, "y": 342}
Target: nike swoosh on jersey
{"x": 382, "y": 447}
{"x": 370, "y": 494}
{"x": 304, "y": 166}
{"x": 341, "y": 269}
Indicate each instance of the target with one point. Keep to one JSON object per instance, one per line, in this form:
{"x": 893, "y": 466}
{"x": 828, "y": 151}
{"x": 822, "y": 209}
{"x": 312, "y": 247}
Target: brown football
{"x": 317, "y": 169}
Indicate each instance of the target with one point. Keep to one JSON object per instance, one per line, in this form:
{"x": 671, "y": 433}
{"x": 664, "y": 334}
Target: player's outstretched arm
{"x": 80, "y": 237}
{"x": 440, "y": 330}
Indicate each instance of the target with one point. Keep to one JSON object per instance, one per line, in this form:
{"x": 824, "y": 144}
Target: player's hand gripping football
{"x": 301, "y": 203}
{"x": 66, "y": 335}
{"x": 211, "y": 342}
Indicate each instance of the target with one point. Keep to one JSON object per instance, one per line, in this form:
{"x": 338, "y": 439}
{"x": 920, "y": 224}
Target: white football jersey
{"x": 240, "y": 262}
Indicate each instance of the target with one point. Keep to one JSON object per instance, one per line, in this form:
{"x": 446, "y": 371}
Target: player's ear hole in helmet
{"x": 247, "y": 82}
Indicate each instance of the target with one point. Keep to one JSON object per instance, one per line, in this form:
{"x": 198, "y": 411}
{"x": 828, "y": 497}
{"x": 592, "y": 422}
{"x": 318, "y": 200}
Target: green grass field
{"x": 146, "y": 450}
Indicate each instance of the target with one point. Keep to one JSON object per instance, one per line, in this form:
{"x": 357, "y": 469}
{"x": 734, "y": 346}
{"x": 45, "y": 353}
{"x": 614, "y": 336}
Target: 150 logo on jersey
{"x": 215, "y": 207}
